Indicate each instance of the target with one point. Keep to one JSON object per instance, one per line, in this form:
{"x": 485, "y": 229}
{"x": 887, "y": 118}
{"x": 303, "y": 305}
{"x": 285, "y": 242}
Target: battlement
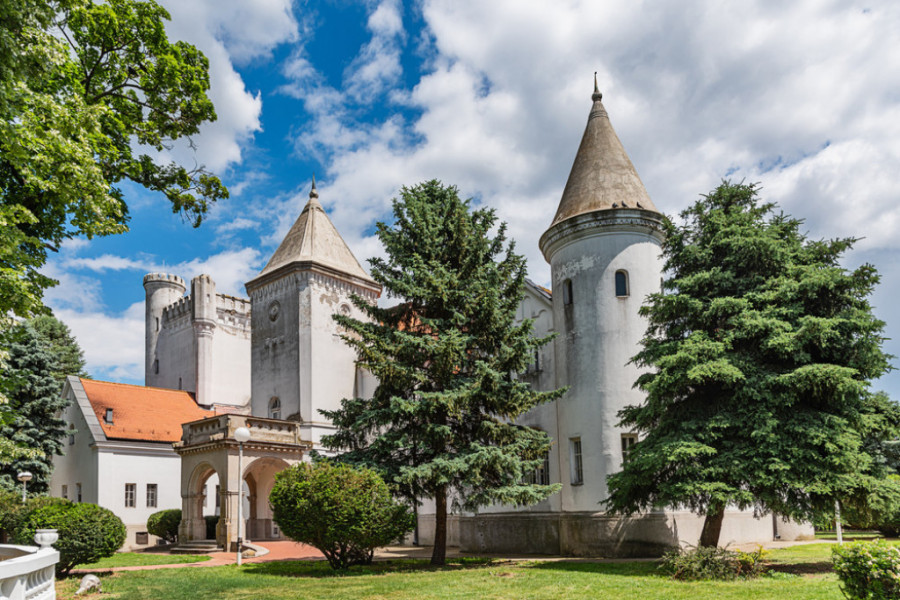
{"x": 165, "y": 279}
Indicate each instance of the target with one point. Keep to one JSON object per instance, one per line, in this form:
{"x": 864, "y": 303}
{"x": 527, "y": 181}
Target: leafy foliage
{"x": 442, "y": 416}
{"x": 13, "y": 512}
{"x": 91, "y": 93}
{"x": 164, "y": 524}
{"x": 34, "y": 378}
{"x": 342, "y": 511}
{"x": 868, "y": 570}
{"x": 759, "y": 354}
{"x": 713, "y": 563}
{"x": 87, "y": 532}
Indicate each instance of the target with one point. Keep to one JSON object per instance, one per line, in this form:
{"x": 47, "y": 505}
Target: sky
{"x": 802, "y": 97}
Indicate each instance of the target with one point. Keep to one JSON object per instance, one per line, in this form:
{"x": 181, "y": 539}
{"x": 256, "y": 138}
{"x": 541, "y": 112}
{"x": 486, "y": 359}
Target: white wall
{"x": 78, "y": 464}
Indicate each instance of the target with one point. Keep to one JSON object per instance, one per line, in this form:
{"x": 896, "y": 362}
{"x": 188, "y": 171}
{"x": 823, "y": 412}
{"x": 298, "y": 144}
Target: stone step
{"x": 196, "y": 547}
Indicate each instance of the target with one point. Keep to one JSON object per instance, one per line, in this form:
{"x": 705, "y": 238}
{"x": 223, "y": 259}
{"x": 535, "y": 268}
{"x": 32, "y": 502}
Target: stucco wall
{"x": 78, "y": 464}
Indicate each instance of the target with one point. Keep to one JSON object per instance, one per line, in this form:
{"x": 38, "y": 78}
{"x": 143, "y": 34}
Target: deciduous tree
{"x": 91, "y": 94}
{"x": 441, "y": 422}
{"x": 759, "y": 353}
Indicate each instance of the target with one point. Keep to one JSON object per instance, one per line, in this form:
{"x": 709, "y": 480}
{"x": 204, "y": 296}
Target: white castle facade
{"x": 278, "y": 355}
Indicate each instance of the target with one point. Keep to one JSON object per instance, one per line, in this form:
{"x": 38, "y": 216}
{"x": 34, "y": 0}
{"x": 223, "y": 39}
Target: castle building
{"x": 278, "y": 357}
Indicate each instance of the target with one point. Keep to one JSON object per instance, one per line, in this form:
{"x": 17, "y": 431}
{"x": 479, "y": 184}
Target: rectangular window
{"x": 576, "y": 466}
{"x": 129, "y": 494}
{"x": 542, "y": 473}
{"x": 108, "y": 417}
{"x": 65, "y": 492}
{"x": 151, "y": 495}
{"x": 628, "y": 440}
{"x": 77, "y": 492}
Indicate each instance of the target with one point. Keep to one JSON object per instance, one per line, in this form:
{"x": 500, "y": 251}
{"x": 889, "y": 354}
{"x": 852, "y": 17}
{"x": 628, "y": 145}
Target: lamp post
{"x": 24, "y": 477}
{"x": 241, "y": 435}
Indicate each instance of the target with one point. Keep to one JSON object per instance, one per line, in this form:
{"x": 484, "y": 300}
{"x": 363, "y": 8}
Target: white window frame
{"x": 152, "y": 495}
{"x": 130, "y": 493}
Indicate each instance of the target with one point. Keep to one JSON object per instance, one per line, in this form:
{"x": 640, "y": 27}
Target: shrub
{"x": 713, "y": 563}
{"x": 13, "y": 513}
{"x": 344, "y": 512}
{"x": 868, "y": 570}
{"x": 87, "y": 532}
{"x": 164, "y": 524}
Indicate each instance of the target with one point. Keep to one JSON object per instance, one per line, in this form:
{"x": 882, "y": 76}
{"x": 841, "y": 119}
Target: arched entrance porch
{"x": 208, "y": 446}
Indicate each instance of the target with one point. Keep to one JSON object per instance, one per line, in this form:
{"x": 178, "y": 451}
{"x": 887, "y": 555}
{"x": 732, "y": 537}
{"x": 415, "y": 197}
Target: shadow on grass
{"x": 802, "y": 568}
{"x": 321, "y": 569}
{"x": 623, "y": 569}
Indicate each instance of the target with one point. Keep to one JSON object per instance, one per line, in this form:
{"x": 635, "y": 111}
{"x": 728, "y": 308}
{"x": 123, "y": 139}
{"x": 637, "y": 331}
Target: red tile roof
{"x": 142, "y": 413}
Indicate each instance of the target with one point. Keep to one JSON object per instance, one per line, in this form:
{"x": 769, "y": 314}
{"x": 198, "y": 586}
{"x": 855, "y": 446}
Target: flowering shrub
{"x": 868, "y": 570}
{"x": 713, "y": 563}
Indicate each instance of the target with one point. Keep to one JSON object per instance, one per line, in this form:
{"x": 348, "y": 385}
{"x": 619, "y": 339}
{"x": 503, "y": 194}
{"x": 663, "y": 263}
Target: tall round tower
{"x": 603, "y": 247}
{"x": 161, "y": 290}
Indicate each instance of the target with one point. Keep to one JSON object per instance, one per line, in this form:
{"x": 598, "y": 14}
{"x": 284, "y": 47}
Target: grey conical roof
{"x": 602, "y": 174}
{"x": 314, "y": 238}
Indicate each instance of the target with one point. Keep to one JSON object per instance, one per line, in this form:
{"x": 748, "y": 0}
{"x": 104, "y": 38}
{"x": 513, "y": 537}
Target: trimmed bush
{"x": 342, "y": 511}
{"x": 713, "y": 563}
{"x": 13, "y": 513}
{"x": 164, "y": 524}
{"x": 868, "y": 570}
{"x": 87, "y": 532}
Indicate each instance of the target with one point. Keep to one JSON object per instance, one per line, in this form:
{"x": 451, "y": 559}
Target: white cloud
{"x": 113, "y": 344}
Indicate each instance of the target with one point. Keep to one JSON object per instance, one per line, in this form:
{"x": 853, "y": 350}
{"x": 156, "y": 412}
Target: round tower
{"x": 203, "y": 319}
{"x": 603, "y": 247}
{"x": 161, "y": 290}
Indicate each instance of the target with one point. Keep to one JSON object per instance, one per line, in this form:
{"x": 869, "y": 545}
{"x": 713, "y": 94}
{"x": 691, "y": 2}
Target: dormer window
{"x": 108, "y": 418}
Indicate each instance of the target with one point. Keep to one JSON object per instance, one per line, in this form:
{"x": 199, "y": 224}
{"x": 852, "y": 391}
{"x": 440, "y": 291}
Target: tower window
{"x": 621, "y": 283}
{"x": 156, "y": 367}
{"x": 567, "y": 292}
{"x": 274, "y": 408}
{"x": 628, "y": 440}
{"x": 576, "y": 466}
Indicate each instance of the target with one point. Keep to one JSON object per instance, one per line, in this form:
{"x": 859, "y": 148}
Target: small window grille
{"x": 142, "y": 538}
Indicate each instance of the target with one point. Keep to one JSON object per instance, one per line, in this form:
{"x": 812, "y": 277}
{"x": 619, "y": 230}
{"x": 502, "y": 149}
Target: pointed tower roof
{"x": 602, "y": 175}
{"x": 314, "y": 239}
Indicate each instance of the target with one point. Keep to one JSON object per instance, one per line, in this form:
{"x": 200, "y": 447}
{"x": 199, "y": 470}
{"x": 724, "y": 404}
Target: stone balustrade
{"x": 28, "y": 572}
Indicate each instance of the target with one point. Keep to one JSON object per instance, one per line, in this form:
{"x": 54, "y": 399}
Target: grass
{"x": 494, "y": 580}
{"x": 133, "y": 559}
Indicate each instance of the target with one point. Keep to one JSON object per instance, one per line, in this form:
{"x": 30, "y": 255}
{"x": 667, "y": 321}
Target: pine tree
{"x": 760, "y": 351}
{"x": 37, "y": 365}
{"x": 441, "y": 422}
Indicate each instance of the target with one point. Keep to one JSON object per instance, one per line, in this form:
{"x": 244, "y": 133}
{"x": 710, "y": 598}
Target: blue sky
{"x": 802, "y": 97}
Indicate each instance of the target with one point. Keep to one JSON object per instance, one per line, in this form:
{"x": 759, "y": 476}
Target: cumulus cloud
{"x": 118, "y": 357}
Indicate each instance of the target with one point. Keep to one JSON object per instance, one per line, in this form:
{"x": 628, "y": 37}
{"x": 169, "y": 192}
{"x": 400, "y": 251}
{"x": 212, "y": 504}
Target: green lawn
{"x": 799, "y": 573}
{"x": 132, "y": 559}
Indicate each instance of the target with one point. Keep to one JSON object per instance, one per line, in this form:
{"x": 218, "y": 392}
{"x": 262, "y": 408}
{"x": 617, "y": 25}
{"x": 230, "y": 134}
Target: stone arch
{"x": 193, "y": 493}
{"x": 260, "y": 478}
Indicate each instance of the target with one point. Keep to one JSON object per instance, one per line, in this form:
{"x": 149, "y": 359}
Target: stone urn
{"x": 45, "y": 537}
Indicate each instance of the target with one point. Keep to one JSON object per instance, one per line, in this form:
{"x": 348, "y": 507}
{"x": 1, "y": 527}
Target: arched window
{"x": 621, "y": 283}
{"x": 567, "y": 292}
{"x": 274, "y": 408}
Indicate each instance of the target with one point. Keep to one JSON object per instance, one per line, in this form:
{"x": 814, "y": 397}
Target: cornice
{"x": 601, "y": 222}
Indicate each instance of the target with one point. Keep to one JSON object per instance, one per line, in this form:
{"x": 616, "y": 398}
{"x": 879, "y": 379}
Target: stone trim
{"x": 601, "y": 222}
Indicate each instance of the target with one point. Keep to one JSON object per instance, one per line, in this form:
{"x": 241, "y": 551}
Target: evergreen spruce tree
{"x": 37, "y": 365}
{"x": 441, "y": 421}
{"x": 760, "y": 351}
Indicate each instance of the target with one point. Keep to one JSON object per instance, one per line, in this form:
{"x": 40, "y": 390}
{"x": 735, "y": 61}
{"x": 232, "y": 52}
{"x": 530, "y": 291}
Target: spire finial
{"x": 596, "y": 95}
{"x": 313, "y": 193}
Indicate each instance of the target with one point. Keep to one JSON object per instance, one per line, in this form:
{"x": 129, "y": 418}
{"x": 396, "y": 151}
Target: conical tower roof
{"x": 314, "y": 238}
{"x": 602, "y": 175}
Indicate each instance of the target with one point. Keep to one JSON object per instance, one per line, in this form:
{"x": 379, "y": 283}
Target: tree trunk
{"x": 712, "y": 526}
{"x": 439, "y": 553}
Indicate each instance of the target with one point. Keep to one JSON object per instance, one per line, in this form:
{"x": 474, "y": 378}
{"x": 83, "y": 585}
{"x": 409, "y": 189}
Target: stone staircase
{"x": 196, "y": 547}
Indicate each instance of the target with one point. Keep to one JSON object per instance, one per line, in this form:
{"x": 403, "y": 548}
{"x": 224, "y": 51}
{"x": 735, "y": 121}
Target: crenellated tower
{"x": 161, "y": 290}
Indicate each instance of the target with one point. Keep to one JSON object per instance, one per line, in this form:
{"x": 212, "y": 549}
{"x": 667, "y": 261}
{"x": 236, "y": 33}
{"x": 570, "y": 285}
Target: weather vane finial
{"x": 596, "y": 95}
{"x": 312, "y": 192}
